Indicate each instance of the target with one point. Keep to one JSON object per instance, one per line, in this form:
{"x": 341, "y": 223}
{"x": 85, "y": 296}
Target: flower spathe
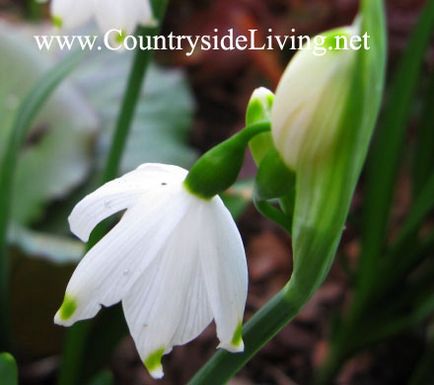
{"x": 176, "y": 262}
{"x": 124, "y": 15}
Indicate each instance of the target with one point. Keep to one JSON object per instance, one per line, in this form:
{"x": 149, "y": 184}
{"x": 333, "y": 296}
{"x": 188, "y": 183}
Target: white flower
{"x": 175, "y": 261}
{"x": 124, "y": 15}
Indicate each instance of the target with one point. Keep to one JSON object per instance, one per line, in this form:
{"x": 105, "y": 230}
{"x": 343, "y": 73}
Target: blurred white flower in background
{"x": 175, "y": 261}
{"x": 124, "y": 15}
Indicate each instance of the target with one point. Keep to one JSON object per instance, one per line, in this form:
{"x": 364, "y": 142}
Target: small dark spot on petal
{"x": 164, "y": 184}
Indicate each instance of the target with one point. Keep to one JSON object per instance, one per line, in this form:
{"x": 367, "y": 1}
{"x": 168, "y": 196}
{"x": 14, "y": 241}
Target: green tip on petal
{"x": 57, "y": 21}
{"x": 68, "y": 308}
{"x": 237, "y": 338}
{"x": 121, "y": 37}
{"x": 153, "y": 363}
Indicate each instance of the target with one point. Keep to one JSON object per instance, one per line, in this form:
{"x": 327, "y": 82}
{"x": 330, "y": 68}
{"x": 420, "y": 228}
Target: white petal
{"x": 114, "y": 264}
{"x": 224, "y": 268}
{"x": 122, "y": 193}
{"x": 71, "y": 13}
{"x": 168, "y": 305}
{"x": 125, "y": 15}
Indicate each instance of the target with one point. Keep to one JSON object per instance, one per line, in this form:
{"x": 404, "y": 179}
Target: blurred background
{"x": 188, "y": 105}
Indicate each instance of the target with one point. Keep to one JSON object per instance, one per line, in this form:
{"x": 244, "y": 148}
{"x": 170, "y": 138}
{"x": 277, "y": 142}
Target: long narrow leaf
{"x": 423, "y": 162}
{"x": 386, "y": 152}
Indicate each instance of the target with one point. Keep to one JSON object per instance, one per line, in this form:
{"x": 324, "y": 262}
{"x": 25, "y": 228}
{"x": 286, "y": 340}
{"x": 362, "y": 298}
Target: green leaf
{"x": 386, "y": 152}
{"x": 103, "y": 378}
{"x": 423, "y": 374}
{"x": 423, "y": 162}
{"x": 21, "y": 124}
{"x": 164, "y": 113}
{"x": 55, "y": 157}
{"x": 8, "y": 370}
{"x": 54, "y": 248}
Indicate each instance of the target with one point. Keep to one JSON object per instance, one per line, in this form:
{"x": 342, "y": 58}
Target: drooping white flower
{"x": 175, "y": 261}
{"x": 124, "y": 15}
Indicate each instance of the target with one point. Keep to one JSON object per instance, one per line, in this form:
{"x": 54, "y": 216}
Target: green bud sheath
{"x": 273, "y": 179}
{"x": 259, "y": 110}
{"x": 275, "y": 183}
{"x": 218, "y": 169}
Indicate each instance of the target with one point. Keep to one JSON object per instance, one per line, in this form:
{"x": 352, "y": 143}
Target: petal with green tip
{"x": 153, "y": 363}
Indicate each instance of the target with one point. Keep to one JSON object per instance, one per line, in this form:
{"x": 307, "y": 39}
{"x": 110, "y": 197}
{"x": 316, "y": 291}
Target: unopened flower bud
{"x": 311, "y": 97}
{"x": 259, "y": 110}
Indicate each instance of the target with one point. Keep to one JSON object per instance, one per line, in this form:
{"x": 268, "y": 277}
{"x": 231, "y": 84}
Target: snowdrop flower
{"x": 176, "y": 262}
{"x": 124, "y": 15}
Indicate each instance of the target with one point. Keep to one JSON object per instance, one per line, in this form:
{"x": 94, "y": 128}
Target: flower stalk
{"x": 218, "y": 169}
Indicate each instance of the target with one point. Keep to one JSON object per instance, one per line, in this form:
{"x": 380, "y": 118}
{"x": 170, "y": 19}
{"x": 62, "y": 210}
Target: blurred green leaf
{"x": 8, "y": 370}
{"x": 55, "y": 156}
{"x": 423, "y": 162}
{"x": 404, "y": 254}
{"x": 23, "y": 116}
{"x": 423, "y": 374}
{"x": 422, "y": 206}
{"x": 386, "y": 152}
{"x": 382, "y": 326}
{"x": 163, "y": 117}
{"x": 103, "y": 378}
{"x": 46, "y": 246}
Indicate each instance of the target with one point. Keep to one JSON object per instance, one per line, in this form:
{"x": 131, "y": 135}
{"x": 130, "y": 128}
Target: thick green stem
{"x": 260, "y": 329}
{"x": 75, "y": 344}
{"x": 125, "y": 118}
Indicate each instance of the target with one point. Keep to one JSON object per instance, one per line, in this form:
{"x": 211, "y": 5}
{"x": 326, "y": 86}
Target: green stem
{"x": 75, "y": 344}
{"x": 34, "y": 10}
{"x": 260, "y": 329}
{"x": 128, "y": 108}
